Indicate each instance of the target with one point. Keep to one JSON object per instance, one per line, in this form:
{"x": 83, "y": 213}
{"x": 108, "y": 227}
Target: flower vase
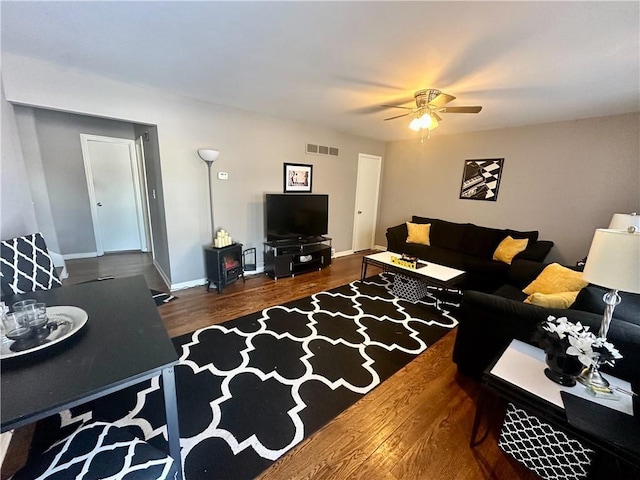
{"x": 562, "y": 368}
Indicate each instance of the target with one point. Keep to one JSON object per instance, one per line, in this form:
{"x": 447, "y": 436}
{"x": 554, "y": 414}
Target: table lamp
{"x": 209, "y": 155}
{"x": 614, "y": 263}
{"x": 625, "y": 220}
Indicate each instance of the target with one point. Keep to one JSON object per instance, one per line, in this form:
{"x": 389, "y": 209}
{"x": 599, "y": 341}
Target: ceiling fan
{"x": 429, "y": 104}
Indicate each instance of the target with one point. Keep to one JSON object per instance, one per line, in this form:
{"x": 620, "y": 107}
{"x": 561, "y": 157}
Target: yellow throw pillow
{"x": 556, "y": 279}
{"x": 509, "y": 248}
{"x": 418, "y": 233}
{"x": 553, "y": 300}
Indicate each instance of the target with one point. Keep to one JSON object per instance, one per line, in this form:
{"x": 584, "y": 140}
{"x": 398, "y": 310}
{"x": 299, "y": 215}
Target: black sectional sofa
{"x": 488, "y": 322}
{"x": 467, "y": 247}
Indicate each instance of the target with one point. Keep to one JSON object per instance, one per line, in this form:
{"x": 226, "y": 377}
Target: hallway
{"x": 117, "y": 265}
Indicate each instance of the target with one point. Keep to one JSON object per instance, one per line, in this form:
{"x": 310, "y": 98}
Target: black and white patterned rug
{"x": 252, "y": 388}
{"x": 161, "y": 297}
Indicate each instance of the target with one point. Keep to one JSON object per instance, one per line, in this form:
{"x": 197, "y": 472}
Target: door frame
{"x": 147, "y": 245}
{"x": 86, "y": 157}
{"x": 362, "y": 157}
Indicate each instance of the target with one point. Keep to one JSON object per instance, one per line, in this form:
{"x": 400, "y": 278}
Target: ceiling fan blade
{"x": 398, "y": 116}
{"x": 461, "y": 109}
{"x": 436, "y": 116}
{"x": 397, "y": 106}
{"x": 442, "y": 99}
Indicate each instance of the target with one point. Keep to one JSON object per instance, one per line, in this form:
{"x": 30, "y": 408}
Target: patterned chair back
{"x": 26, "y": 266}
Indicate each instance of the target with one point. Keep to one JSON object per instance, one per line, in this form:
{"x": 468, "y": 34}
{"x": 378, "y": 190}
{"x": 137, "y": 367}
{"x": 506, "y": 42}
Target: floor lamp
{"x": 209, "y": 156}
{"x": 613, "y": 263}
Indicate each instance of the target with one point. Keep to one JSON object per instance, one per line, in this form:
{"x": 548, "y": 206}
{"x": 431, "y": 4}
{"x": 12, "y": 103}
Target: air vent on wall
{"x": 321, "y": 150}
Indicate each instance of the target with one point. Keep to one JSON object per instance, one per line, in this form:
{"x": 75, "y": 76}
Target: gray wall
{"x": 563, "y": 179}
{"x": 26, "y": 123}
{"x": 50, "y": 143}
{"x": 50, "y": 146}
{"x": 58, "y": 135}
{"x": 156, "y": 202}
{"x": 17, "y": 215}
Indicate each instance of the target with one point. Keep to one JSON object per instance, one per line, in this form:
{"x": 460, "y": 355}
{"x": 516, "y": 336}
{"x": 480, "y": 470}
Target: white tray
{"x": 64, "y": 322}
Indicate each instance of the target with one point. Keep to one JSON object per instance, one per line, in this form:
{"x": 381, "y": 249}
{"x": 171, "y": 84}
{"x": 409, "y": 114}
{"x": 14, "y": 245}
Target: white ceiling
{"x": 334, "y": 63}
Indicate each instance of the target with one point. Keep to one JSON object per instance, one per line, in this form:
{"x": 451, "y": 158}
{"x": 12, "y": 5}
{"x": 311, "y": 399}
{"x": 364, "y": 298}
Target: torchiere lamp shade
{"x": 209, "y": 155}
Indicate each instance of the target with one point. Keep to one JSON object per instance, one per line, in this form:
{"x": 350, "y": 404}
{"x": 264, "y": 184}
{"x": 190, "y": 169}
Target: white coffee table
{"x": 428, "y": 272}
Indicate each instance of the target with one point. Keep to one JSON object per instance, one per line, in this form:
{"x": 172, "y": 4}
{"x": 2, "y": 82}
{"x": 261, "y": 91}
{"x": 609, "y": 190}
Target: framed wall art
{"x": 297, "y": 177}
{"x": 481, "y": 179}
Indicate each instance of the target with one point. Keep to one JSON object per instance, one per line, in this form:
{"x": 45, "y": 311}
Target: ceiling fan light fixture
{"x": 415, "y": 124}
{"x": 430, "y": 103}
{"x": 423, "y": 122}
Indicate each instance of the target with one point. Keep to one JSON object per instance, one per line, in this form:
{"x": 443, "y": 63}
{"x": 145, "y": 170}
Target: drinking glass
{"x": 40, "y": 319}
{"x": 16, "y": 326}
{"x": 23, "y": 304}
{"x": 27, "y": 308}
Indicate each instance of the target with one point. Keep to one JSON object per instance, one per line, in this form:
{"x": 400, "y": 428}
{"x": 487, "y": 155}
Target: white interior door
{"x": 113, "y": 184}
{"x": 367, "y": 192}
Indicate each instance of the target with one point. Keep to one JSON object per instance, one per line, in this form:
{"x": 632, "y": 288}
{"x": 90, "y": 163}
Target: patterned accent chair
{"x": 26, "y": 265}
{"x": 100, "y": 450}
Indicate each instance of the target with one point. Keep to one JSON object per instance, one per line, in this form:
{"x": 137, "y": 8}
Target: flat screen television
{"x": 296, "y": 215}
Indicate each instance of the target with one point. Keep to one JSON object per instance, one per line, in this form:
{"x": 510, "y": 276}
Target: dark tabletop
{"x": 123, "y": 342}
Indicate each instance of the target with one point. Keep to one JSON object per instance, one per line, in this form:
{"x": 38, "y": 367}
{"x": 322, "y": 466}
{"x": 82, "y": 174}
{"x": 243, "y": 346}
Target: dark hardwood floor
{"x": 416, "y": 425}
{"x": 115, "y": 265}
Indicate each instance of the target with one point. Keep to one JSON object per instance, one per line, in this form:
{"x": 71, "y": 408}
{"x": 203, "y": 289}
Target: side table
{"x": 517, "y": 376}
{"x": 224, "y": 265}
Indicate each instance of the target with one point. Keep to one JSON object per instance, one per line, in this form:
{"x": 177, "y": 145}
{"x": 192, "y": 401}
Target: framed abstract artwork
{"x": 297, "y": 177}
{"x": 481, "y": 179}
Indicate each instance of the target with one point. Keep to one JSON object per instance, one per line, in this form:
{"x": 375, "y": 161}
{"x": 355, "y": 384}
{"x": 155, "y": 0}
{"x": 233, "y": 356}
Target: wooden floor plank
{"x": 421, "y": 415}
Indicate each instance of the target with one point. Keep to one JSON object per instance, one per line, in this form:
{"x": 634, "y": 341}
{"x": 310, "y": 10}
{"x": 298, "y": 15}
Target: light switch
{"x": 223, "y": 176}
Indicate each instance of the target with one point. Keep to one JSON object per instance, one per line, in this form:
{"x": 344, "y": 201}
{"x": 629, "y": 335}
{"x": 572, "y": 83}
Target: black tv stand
{"x": 298, "y": 240}
{"x": 290, "y": 257}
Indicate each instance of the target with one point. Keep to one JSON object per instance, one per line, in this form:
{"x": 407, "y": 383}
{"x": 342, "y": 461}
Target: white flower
{"x": 582, "y": 347}
{"x": 582, "y": 343}
{"x": 602, "y": 342}
{"x": 562, "y": 327}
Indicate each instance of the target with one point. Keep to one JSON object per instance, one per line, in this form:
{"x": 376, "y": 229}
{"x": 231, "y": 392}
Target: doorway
{"x": 366, "y": 205}
{"x": 144, "y": 196}
{"x": 115, "y": 192}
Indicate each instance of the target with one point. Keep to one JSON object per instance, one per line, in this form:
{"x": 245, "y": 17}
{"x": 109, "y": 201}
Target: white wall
{"x": 564, "y": 179}
{"x": 253, "y": 148}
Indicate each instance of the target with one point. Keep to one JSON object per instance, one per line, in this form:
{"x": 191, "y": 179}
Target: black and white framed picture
{"x": 481, "y": 179}
{"x": 297, "y": 177}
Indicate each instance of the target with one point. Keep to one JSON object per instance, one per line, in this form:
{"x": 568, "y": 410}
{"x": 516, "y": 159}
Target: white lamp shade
{"x": 208, "y": 154}
{"x": 614, "y": 260}
{"x": 623, "y": 221}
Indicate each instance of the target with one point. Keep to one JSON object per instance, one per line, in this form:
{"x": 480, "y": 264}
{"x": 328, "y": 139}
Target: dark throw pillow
{"x": 531, "y": 236}
{"x": 481, "y": 241}
{"x": 447, "y": 235}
